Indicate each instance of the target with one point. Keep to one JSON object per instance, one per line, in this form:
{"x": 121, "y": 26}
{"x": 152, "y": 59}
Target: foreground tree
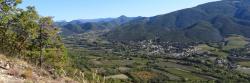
{"x": 26, "y": 35}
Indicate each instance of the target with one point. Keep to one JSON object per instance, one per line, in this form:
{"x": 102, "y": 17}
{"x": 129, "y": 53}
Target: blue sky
{"x": 90, "y": 9}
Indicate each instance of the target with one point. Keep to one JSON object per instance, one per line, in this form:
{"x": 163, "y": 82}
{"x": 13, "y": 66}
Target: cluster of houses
{"x": 152, "y": 48}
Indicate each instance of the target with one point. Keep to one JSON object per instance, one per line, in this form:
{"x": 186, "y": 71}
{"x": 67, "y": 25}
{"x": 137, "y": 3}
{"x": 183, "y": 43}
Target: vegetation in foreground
{"x": 27, "y": 36}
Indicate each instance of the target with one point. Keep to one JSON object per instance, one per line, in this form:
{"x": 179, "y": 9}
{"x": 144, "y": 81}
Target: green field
{"x": 213, "y": 50}
{"x": 187, "y": 75}
{"x": 235, "y": 41}
{"x": 124, "y": 68}
{"x": 244, "y": 63}
{"x": 232, "y": 42}
{"x": 244, "y": 70}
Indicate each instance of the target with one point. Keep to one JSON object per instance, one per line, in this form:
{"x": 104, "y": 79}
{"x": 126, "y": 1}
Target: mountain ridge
{"x": 209, "y": 22}
{"x": 78, "y": 26}
{"x": 173, "y": 26}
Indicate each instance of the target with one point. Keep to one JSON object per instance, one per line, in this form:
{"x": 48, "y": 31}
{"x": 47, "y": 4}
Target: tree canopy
{"x": 26, "y": 35}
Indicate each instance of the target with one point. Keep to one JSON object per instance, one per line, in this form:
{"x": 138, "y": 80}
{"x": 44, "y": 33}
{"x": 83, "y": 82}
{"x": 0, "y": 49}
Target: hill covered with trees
{"x": 207, "y": 22}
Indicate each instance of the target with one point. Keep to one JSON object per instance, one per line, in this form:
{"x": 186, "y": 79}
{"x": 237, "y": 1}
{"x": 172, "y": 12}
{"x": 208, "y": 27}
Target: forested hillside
{"x": 81, "y": 26}
{"x": 215, "y": 20}
{"x": 207, "y": 22}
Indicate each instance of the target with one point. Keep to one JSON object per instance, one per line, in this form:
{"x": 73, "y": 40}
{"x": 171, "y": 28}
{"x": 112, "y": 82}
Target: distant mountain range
{"x": 207, "y": 22}
{"x": 81, "y": 26}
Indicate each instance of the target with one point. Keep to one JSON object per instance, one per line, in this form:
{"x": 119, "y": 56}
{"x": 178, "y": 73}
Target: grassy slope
{"x": 244, "y": 63}
{"x": 213, "y": 50}
{"x": 184, "y": 74}
{"x": 235, "y": 41}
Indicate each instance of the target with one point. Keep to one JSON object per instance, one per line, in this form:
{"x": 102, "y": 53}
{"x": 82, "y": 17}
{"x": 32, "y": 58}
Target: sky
{"x": 91, "y": 9}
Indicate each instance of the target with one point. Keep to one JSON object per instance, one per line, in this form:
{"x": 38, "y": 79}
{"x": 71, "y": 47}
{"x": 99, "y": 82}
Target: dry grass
{"x": 28, "y": 73}
{"x": 119, "y": 76}
{"x": 2, "y": 57}
{"x": 145, "y": 75}
{"x": 20, "y": 71}
{"x": 245, "y": 63}
{"x": 81, "y": 77}
{"x": 13, "y": 72}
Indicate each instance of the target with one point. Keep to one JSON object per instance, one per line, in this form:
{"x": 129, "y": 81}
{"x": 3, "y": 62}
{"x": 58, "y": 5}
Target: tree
{"x": 26, "y": 35}
{"x": 7, "y": 13}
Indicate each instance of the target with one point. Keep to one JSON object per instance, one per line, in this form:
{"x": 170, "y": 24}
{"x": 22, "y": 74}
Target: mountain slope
{"x": 81, "y": 26}
{"x": 207, "y": 22}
